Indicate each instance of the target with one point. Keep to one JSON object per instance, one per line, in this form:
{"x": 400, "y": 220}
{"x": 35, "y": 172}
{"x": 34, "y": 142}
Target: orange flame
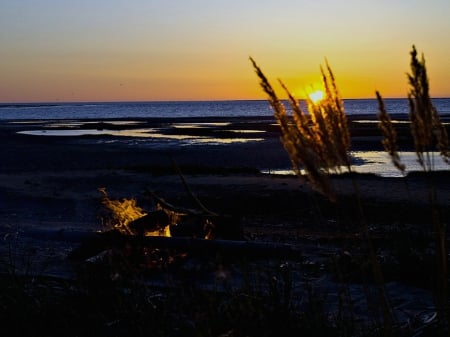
{"x": 125, "y": 211}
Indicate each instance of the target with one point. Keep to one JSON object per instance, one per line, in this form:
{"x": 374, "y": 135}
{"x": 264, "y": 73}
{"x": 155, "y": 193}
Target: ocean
{"x": 60, "y": 119}
{"x": 239, "y": 108}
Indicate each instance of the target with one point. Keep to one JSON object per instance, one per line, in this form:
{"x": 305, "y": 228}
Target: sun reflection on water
{"x": 379, "y": 163}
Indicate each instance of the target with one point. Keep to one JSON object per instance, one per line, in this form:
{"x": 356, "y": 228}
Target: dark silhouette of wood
{"x": 232, "y": 249}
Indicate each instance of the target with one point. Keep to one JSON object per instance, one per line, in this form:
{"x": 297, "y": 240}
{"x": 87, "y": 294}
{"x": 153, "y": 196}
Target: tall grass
{"x": 389, "y": 135}
{"x": 319, "y": 142}
{"x": 429, "y": 134}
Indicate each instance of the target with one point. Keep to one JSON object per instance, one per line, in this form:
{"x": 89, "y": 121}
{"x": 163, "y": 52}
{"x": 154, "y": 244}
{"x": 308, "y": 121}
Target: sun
{"x": 316, "y": 96}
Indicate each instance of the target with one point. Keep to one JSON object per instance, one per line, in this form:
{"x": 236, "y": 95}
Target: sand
{"x": 51, "y": 183}
{"x": 54, "y": 181}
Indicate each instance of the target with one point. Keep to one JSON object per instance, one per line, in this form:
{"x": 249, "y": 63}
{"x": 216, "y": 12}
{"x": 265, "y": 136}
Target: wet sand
{"x": 54, "y": 180}
{"x": 51, "y": 183}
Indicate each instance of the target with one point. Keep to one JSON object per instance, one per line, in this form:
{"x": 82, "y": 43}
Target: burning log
{"x": 199, "y": 223}
{"x": 187, "y": 231}
{"x": 153, "y": 221}
{"x": 169, "y": 220}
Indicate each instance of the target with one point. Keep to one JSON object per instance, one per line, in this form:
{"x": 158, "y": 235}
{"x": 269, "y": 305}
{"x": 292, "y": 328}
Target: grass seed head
{"x": 389, "y": 134}
{"x": 318, "y": 142}
{"x": 426, "y": 127}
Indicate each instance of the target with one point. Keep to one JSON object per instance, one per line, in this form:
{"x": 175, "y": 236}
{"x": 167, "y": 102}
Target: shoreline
{"x": 52, "y": 164}
{"x": 49, "y": 187}
{"x": 53, "y": 181}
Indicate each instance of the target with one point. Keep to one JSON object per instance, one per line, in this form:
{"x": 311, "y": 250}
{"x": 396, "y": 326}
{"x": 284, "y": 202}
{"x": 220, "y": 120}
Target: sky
{"x": 143, "y": 50}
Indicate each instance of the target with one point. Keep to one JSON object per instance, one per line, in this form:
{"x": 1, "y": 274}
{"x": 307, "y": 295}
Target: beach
{"x": 53, "y": 181}
{"x": 50, "y": 184}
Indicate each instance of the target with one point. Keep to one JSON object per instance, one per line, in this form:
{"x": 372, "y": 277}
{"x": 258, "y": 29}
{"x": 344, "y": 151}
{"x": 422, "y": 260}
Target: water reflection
{"x": 71, "y": 124}
{"x": 379, "y": 163}
{"x": 247, "y": 131}
{"x": 89, "y": 132}
{"x": 198, "y": 125}
{"x": 220, "y": 141}
{"x": 375, "y": 121}
{"x": 148, "y": 133}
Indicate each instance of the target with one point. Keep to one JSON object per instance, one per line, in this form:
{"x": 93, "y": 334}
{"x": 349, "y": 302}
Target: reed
{"x": 319, "y": 142}
{"x": 429, "y": 134}
{"x": 426, "y": 127}
{"x": 389, "y": 135}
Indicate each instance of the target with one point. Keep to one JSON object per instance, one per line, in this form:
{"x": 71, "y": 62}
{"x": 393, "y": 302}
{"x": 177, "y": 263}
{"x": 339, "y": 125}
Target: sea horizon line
{"x": 58, "y": 102}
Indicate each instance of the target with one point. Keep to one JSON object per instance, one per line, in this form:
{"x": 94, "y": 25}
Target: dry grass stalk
{"x": 389, "y": 135}
{"x": 428, "y": 132}
{"x": 426, "y": 126}
{"x": 318, "y": 144}
{"x": 330, "y": 124}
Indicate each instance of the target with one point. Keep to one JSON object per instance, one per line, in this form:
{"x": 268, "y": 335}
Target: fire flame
{"x": 124, "y": 211}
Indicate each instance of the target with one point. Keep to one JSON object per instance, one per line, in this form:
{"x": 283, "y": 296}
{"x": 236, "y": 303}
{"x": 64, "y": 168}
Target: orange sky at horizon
{"x": 198, "y": 50}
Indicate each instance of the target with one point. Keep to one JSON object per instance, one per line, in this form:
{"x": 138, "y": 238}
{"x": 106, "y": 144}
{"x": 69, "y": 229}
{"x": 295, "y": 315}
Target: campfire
{"x": 159, "y": 236}
{"x": 156, "y": 238}
{"x": 130, "y": 219}
{"x": 167, "y": 220}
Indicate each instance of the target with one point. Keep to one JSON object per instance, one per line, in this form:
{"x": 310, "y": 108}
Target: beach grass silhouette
{"x": 318, "y": 144}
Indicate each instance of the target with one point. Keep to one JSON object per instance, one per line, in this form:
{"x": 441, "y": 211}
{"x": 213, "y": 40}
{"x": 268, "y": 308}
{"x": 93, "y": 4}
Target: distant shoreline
{"x": 186, "y": 109}
{"x": 58, "y": 102}
{"x": 246, "y": 144}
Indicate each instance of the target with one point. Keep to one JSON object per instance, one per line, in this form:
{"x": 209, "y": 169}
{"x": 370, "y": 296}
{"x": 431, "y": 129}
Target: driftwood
{"x": 198, "y": 223}
{"x": 199, "y": 232}
{"x": 98, "y": 242}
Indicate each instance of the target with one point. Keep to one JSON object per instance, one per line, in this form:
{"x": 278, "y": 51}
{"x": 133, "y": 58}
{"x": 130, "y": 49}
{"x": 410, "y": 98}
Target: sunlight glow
{"x": 316, "y": 96}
